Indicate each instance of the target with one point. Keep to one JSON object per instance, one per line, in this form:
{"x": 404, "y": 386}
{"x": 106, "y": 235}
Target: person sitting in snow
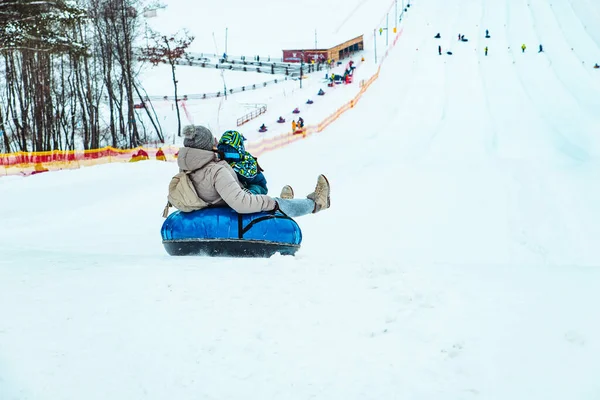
{"x": 263, "y": 128}
{"x": 281, "y": 120}
{"x": 250, "y": 174}
{"x": 321, "y": 92}
{"x": 596, "y": 66}
{"x": 217, "y": 183}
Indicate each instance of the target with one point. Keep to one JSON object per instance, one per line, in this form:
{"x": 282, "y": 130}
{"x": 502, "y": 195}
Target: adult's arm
{"x": 239, "y": 199}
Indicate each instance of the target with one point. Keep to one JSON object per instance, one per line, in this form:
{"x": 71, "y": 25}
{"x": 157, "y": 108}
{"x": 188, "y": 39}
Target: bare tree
{"x": 169, "y": 49}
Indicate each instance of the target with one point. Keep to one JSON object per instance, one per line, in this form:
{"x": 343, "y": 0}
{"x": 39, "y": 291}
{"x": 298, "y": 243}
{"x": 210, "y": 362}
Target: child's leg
{"x": 258, "y": 184}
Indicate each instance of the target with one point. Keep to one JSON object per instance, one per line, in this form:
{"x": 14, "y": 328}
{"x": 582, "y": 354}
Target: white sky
{"x": 273, "y": 25}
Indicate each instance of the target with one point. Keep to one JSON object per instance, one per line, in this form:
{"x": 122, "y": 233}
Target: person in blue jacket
{"x": 250, "y": 174}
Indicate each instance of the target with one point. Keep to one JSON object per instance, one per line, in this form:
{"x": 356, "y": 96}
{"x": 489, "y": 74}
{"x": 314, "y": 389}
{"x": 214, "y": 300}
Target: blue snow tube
{"x": 220, "y": 231}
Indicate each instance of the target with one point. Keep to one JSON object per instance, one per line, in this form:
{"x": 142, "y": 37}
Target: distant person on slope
{"x": 217, "y": 183}
{"x": 523, "y": 47}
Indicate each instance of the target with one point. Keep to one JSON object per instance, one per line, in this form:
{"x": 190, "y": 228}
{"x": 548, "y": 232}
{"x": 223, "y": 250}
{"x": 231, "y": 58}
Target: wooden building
{"x": 339, "y": 52}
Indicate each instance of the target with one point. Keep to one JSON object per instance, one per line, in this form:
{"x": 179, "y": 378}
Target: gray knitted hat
{"x": 198, "y": 137}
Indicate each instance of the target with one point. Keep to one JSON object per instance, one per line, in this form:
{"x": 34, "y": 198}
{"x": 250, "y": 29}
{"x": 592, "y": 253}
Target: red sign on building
{"x": 307, "y": 56}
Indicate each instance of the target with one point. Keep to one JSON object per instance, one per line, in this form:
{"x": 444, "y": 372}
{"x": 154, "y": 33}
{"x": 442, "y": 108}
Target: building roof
{"x": 342, "y": 41}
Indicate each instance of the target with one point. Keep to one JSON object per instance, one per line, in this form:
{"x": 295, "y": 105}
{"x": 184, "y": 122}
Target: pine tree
{"x": 40, "y": 25}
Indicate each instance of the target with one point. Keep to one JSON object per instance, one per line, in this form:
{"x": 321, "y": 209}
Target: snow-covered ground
{"x": 281, "y": 99}
{"x": 459, "y": 260}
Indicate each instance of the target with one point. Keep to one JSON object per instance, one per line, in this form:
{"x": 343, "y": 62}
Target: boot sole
{"x": 328, "y": 187}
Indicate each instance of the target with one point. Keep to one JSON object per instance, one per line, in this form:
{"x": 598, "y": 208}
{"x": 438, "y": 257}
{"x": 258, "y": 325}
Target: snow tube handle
{"x": 243, "y": 229}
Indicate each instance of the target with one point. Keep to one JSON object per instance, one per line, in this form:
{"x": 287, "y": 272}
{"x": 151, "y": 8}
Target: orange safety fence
{"x": 268, "y": 144}
{"x": 31, "y": 163}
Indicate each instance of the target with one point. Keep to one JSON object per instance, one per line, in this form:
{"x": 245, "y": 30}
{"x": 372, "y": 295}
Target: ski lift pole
{"x": 387, "y": 31}
{"x": 301, "y": 69}
{"x": 375, "y": 43}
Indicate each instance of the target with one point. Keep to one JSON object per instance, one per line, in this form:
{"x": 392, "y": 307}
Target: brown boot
{"x": 321, "y": 194}
{"x": 287, "y": 193}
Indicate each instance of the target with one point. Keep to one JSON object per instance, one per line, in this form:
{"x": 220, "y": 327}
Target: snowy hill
{"x": 459, "y": 260}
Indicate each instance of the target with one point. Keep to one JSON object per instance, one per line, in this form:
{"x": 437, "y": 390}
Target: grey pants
{"x": 295, "y": 207}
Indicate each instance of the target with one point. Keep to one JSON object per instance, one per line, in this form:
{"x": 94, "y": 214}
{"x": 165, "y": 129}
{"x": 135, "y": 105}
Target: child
{"x": 231, "y": 149}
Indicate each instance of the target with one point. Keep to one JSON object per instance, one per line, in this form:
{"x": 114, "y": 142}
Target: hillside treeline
{"x": 68, "y": 75}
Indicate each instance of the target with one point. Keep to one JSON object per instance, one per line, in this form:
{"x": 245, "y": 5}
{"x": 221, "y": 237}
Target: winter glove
{"x": 273, "y": 211}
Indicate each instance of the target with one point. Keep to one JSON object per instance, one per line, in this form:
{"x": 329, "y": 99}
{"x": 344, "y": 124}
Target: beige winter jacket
{"x": 217, "y": 183}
